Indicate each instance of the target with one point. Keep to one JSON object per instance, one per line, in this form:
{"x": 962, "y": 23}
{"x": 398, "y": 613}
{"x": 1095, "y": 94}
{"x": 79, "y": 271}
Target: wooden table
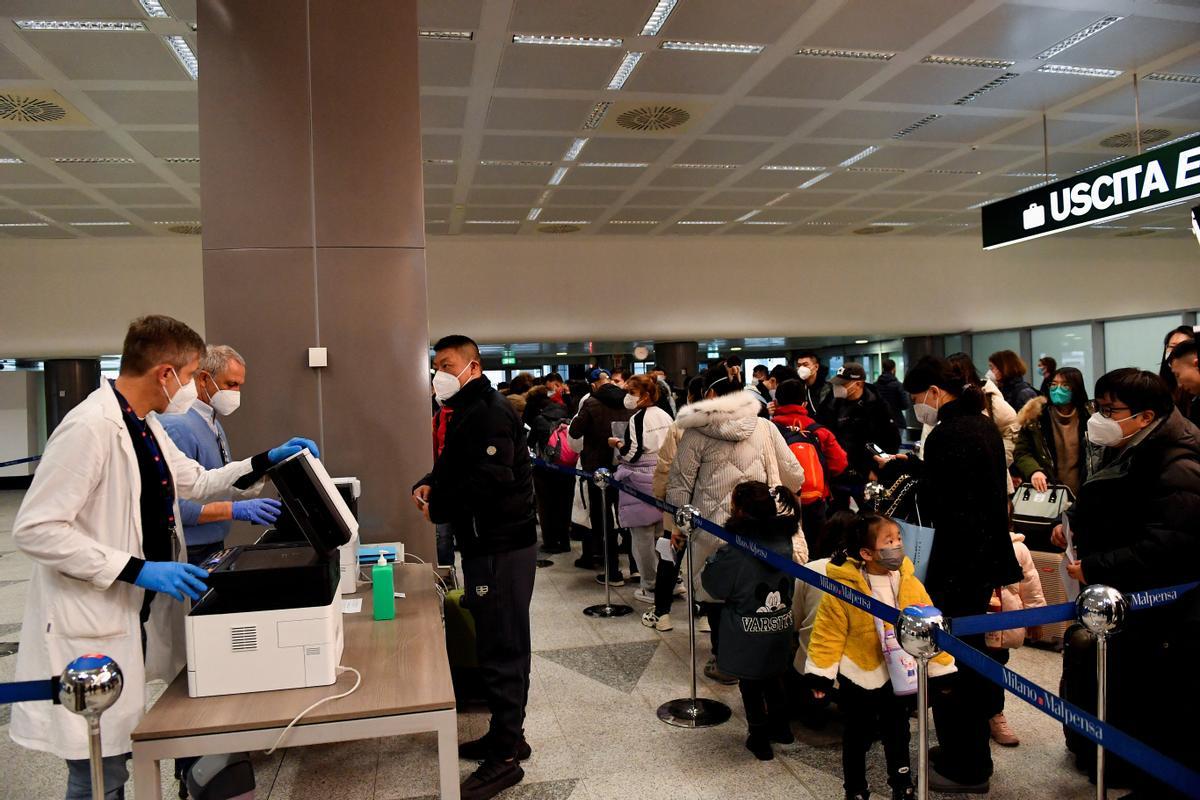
{"x": 405, "y": 689}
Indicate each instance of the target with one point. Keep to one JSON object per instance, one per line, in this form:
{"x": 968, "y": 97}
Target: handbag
{"x": 918, "y": 543}
{"x": 558, "y": 448}
{"x": 1036, "y": 513}
{"x": 580, "y": 514}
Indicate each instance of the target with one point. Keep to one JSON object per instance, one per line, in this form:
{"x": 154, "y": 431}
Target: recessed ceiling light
{"x": 93, "y": 160}
{"x": 916, "y": 126}
{"x": 78, "y": 25}
{"x": 624, "y": 70}
{"x": 702, "y": 222}
{"x": 560, "y": 354}
{"x": 783, "y": 196}
{"x": 633, "y": 222}
{"x": 822, "y": 223}
{"x": 790, "y": 168}
{"x": 1157, "y": 228}
{"x": 766, "y": 222}
{"x": 862, "y": 341}
{"x": 1178, "y": 77}
{"x": 995, "y": 83}
{"x": 190, "y": 222}
{"x": 1087, "y": 72}
{"x": 508, "y": 163}
{"x": 658, "y": 16}
{"x": 567, "y": 41}
{"x": 615, "y": 164}
{"x": 11, "y": 161}
{"x": 854, "y": 159}
{"x": 954, "y": 172}
{"x": 1031, "y": 174}
{"x": 892, "y": 225}
{"x": 748, "y": 215}
{"x": 715, "y": 47}
{"x": 1078, "y": 36}
{"x": 565, "y": 222}
{"x": 966, "y": 61}
{"x": 183, "y": 52}
{"x": 596, "y": 115}
{"x": 877, "y": 169}
{"x": 493, "y": 222}
{"x": 704, "y": 166}
{"x": 98, "y": 224}
{"x": 23, "y": 225}
{"x": 449, "y": 36}
{"x": 574, "y": 150}
{"x": 533, "y": 214}
{"x": 558, "y": 176}
{"x": 190, "y": 160}
{"x": 735, "y": 349}
{"x": 153, "y": 8}
{"x": 833, "y": 52}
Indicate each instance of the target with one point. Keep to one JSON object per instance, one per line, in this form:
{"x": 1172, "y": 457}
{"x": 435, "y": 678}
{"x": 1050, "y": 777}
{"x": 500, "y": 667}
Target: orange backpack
{"x": 806, "y": 447}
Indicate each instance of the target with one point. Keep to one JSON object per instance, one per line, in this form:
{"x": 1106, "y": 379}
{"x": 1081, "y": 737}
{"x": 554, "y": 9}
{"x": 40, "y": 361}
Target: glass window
{"x": 835, "y": 363}
{"x": 984, "y": 344}
{"x": 564, "y": 370}
{"x": 769, "y": 363}
{"x": 955, "y": 344}
{"x": 639, "y": 368}
{"x": 496, "y": 376}
{"x": 1137, "y": 342}
{"x": 1070, "y": 346}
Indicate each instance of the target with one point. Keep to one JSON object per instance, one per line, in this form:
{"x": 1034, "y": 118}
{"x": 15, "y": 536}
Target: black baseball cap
{"x": 850, "y": 371}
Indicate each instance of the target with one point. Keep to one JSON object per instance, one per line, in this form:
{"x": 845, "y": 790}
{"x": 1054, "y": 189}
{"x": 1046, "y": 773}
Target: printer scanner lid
{"x": 314, "y": 502}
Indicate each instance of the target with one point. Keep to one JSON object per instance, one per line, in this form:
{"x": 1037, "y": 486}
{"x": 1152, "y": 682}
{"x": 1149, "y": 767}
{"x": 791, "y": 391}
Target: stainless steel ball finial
{"x": 602, "y": 478}
{"x": 90, "y": 685}
{"x": 1101, "y": 609}
{"x": 686, "y": 516}
{"x": 914, "y": 630}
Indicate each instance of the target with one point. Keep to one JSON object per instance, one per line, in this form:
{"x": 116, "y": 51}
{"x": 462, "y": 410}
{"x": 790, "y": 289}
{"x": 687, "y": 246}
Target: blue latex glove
{"x": 291, "y": 447}
{"x": 260, "y": 511}
{"x": 173, "y": 578}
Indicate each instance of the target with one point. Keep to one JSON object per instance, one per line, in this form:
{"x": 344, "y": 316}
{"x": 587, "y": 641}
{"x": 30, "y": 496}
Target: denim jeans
{"x": 79, "y": 778}
{"x": 445, "y": 544}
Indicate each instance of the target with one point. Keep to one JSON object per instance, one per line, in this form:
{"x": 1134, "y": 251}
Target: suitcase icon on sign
{"x": 1034, "y": 216}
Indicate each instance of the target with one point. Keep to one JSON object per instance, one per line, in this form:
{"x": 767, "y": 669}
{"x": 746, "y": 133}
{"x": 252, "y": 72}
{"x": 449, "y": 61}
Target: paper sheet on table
{"x": 1070, "y": 585}
{"x": 352, "y": 605}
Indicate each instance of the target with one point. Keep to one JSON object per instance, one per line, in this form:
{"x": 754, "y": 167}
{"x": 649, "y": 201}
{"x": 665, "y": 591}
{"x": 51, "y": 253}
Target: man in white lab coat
{"x": 99, "y": 523}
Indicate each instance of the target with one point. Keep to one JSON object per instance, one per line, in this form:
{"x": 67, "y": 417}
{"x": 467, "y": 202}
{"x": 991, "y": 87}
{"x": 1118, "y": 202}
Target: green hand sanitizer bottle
{"x": 383, "y": 589}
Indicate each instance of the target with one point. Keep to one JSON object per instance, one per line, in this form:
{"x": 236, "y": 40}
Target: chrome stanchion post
{"x": 603, "y": 478}
{"x": 692, "y": 711}
{"x": 915, "y": 632}
{"x": 1102, "y": 610}
{"x": 89, "y": 685}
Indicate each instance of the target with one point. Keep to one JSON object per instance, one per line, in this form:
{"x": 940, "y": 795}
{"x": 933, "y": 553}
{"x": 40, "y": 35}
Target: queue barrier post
{"x": 603, "y": 478}
{"x": 692, "y": 711}
{"x": 1101, "y": 609}
{"x": 89, "y": 686}
{"x": 915, "y": 630}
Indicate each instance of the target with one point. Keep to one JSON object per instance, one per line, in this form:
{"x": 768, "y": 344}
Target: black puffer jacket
{"x": 482, "y": 484}
{"x": 962, "y": 493}
{"x": 857, "y": 422}
{"x": 1136, "y": 522}
{"x": 594, "y": 422}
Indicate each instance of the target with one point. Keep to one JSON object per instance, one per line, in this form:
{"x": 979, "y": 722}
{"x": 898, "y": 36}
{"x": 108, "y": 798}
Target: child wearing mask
{"x": 846, "y": 644}
{"x": 756, "y": 620}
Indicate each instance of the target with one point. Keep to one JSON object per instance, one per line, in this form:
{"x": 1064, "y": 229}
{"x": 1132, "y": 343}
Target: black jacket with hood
{"x": 857, "y": 422}
{"x": 594, "y": 422}
{"x": 482, "y": 483}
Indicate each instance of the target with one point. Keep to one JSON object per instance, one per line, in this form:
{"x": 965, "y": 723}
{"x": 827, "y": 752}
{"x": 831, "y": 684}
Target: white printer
{"x": 272, "y": 618}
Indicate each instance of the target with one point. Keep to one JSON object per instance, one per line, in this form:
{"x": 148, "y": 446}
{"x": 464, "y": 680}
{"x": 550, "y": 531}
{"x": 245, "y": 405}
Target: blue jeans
{"x": 445, "y": 544}
{"x": 79, "y": 778}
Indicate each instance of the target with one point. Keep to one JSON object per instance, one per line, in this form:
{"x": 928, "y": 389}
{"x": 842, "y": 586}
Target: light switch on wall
{"x": 318, "y": 357}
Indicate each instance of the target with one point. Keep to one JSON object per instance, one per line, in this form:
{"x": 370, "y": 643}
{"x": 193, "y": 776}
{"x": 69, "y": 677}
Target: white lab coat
{"x": 79, "y": 523}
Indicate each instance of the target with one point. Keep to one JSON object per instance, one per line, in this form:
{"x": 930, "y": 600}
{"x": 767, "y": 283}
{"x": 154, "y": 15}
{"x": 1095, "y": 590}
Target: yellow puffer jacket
{"x": 844, "y": 638}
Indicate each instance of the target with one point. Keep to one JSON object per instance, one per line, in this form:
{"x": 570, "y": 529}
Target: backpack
{"x": 806, "y": 447}
{"x": 558, "y": 448}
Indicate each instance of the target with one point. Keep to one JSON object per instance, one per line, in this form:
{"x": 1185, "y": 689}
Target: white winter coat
{"x": 724, "y": 443}
{"x": 79, "y": 523}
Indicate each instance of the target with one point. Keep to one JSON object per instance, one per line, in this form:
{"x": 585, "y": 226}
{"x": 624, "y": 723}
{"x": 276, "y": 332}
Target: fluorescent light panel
{"x": 624, "y": 70}
{"x": 153, "y": 8}
{"x": 596, "y": 115}
{"x": 833, "y": 52}
{"x": 558, "y": 176}
{"x": 1031, "y": 174}
{"x": 658, "y": 17}
{"x": 183, "y": 52}
{"x": 748, "y": 215}
{"x": 78, "y": 25}
{"x": 533, "y": 214}
{"x": 633, "y": 222}
{"x": 766, "y": 222}
{"x": 565, "y": 222}
{"x": 704, "y": 166}
{"x": 854, "y": 159}
{"x": 1178, "y": 77}
{"x": 189, "y": 222}
{"x": 967, "y": 61}
{"x": 790, "y": 168}
{"x": 93, "y": 160}
{"x": 714, "y": 47}
{"x": 1078, "y": 36}
{"x": 23, "y": 225}
{"x": 11, "y": 161}
{"x": 954, "y": 172}
{"x": 862, "y": 341}
{"x": 449, "y": 36}
{"x": 702, "y": 222}
{"x": 574, "y": 150}
{"x": 493, "y": 222}
{"x": 814, "y": 181}
{"x": 893, "y": 170}
{"x": 567, "y": 41}
{"x": 995, "y": 83}
{"x": 188, "y": 160}
{"x": 916, "y": 126}
{"x": 1086, "y": 72}
{"x": 506, "y": 163}
{"x": 615, "y": 164}
{"x": 98, "y": 224}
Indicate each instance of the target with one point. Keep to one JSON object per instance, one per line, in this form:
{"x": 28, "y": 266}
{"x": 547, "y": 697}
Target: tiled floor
{"x": 596, "y": 684}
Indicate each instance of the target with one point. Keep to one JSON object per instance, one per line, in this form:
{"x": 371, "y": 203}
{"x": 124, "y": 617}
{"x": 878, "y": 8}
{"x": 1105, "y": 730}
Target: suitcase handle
{"x": 1026, "y": 493}
{"x": 1054, "y": 495}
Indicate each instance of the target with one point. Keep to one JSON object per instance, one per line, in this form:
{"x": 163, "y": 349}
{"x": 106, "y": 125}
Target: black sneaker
{"x": 904, "y": 793}
{"x": 617, "y": 581}
{"x": 902, "y": 788}
{"x": 760, "y": 745}
{"x": 584, "y": 562}
{"x": 492, "y": 778}
{"x": 480, "y": 750}
{"x": 781, "y": 732}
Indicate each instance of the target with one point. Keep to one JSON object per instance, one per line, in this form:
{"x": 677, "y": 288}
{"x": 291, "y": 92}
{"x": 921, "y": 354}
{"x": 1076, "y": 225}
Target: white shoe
{"x": 642, "y": 596}
{"x": 703, "y": 626}
{"x": 680, "y": 589}
{"x": 652, "y": 620}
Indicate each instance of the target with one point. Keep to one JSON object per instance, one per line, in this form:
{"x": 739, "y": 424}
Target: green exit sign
{"x": 508, "y": 361}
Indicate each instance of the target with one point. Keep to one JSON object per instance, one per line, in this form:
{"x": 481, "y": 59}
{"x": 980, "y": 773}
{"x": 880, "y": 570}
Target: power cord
{"x": 353, "y": 689}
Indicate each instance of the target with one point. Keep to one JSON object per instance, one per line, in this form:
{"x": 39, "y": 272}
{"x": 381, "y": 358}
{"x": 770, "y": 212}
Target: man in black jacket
{"x": 857, "y": 415}
{"x": 889, "y": 388}
{"x": 482, "y": 486}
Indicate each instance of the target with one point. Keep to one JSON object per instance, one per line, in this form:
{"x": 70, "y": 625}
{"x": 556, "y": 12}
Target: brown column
{"x": 678, "y": 359}
{"x": 310, "y": 148}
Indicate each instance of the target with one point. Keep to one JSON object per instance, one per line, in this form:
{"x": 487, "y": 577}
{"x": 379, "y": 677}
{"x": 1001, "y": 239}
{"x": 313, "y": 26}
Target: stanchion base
{"x": 703, "y": 713}
{"x": 609, "y": 610}
{"x": 544, "y": 562}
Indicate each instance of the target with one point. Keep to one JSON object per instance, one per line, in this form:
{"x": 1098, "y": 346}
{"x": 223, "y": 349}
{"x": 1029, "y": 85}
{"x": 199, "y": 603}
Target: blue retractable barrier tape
{"x": 1115, "y": 741}
{"x": 578, "y": 473}
{"x": 17, "y": 461}
{"x": 25, "y": 691}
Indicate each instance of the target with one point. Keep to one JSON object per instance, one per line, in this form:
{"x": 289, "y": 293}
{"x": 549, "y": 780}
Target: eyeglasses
{"x": 1107, "y": 411}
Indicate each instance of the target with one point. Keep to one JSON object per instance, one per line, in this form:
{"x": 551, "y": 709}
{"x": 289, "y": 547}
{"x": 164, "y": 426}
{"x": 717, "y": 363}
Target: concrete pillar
{"x": 68, "y": 381}
{"x": 678, "y": 359}
{"x": 917, "y": 346}
{"x": 310, "y": 146}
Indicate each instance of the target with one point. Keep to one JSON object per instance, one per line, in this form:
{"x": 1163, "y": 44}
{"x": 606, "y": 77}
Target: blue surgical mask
{"x": 1060, "y": 395}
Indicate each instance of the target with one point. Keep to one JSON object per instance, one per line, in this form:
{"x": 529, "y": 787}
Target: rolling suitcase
{"x": 1054, "y": 592}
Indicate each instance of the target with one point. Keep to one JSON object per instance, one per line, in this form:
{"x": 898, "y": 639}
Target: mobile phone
{"x": 421, "y": 500}
{"x": 876, "y": 450}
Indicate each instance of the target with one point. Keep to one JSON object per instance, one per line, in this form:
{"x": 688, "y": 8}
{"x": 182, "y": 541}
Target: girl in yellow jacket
{"x": 846, "y": 645}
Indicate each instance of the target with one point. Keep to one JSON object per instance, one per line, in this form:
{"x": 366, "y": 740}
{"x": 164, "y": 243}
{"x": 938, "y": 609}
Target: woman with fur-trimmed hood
{"x": 1052, "y": 445}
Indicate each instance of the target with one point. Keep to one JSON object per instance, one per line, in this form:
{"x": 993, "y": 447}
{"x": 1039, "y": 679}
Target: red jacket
{"x": 439, "y": 430}
{"x": 797, "y": 417}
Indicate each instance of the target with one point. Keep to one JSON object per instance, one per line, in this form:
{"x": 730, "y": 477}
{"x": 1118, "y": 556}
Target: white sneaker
{"x": 642, "y": 596}
{"x": 703, "y": 626}
{"x": 652, "y": 620}
{"x": 680, "y": 589}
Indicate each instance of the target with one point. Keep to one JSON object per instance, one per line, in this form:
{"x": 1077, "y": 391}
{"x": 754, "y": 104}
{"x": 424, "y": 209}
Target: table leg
{"x": 447, "y": 731}
{"x": 147, "y": 780}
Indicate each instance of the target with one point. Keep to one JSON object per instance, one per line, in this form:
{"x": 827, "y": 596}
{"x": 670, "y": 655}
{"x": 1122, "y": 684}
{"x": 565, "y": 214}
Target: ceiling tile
{"x": 496, "y": 212}
{"x": 647, "y": 213}
{"x": 816, "y": 78}
{"x": 672, "y": 198}
{"x": 698, "y": 178}
{"x": 513, "y": 176}
{"x": 932, "y": 182}
{"x": 625, "y": 149}
{"x": 763, "y": 120}
{"x": 16, "y": 215}
{"x": 585, "y": 196}
{"x": 149, "y": 108}
{"x": 533, "y": 67}
{"x": 740, "y": 199}
{"x": 1017, "y": 32}
{"x": 47, "y": 197}
{"x": 449, "y": 15}
{"x": 814, "y": 198}
{"x": 721, "y": 151}
{"x": 564, "y": 213}
{"x": 815, "y": 155}
{"x": 525, "y": 148}
{"x": 168, "y": 144}
{"x": 1035, "y": 91}
{"x": 67, "y": 9}
{"x": 23, "y": 173}
{"x": 439, "y": 111}
{"x": 502, "y": 196}
{"x": 118, "y": 55}
{"x": 12, "y": 68}
{"x": 513, "y": 113}
{"x": 864, "y": 125}
{"x": 957, "y": 201}
{"x": 686, "y": 72}
{"x": 167, "y": 214}
{"x": 772, "y": 179}
{"x": 903, "y": 157}
{"x": 932, "y": 85}
{"x": 115, "y": 232}
{"x": 110, "y": 173}
{"x": 723, "y": 21}
{"x": 150, "y": 196}
{"x": 1131, "y": 42}
{"x": 435, "y": 195}
{"x": 844, "y": 217}
{"x": 984, "y": 160}
{"x": 580, "y": 17}
{"x": 49, "y": 232}
{"x": 1059, "y": 132}
{"x": 859, "y": 181}
{"x": 182, "y": 9}
{"x": 189, "y": 173}
{"x": 602, "y": 176}
{"x": 440, "y": 146}
{"x": 89, "y": 214}
{"x": 70, "y": 144}
{"x": 1152, "y": 95}
{"x": 871, "y": 25}
{"x": 959, "y": 128}
{"x": 440, "y": 174}
{"x": 885, "y": 200}
{"x": 445, "y": 63}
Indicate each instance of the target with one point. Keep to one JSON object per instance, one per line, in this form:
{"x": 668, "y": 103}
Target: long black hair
{"x": 1079, "y": 393}
{"x": 951, "y": 379}
{"x": 718, "y": 381}
{"x": 855, "y": 532}
{"x": 1164, "y": 369}
{"x": 963, "y": 363}
{"x": 754, "y": 500}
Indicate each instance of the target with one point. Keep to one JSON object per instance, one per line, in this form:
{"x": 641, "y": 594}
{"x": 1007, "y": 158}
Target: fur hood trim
{"x": 1031, "y": 412}
{"x": 711, "y": 413}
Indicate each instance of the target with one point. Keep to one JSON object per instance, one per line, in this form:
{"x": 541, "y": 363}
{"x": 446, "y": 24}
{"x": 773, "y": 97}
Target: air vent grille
{"x": 243, "y": 639}
{"x": 23, "y": 109}
{"x": 1150, "y": 136}
{"x": 653, "y": 118}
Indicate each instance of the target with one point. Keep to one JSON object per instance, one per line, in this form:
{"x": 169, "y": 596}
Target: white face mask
{"x": 1106, "y": 432}
{"x": 224, "y": 401}
{"x": 631, "y": 402}
{"x": 993, "y": 376}
{"x": 925, "y": 413}
{"x": 446, "y": 385}
{"x": 182, "y": 400}
{"x": 839, "y": 391}
{"x": 804, "y": 372}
